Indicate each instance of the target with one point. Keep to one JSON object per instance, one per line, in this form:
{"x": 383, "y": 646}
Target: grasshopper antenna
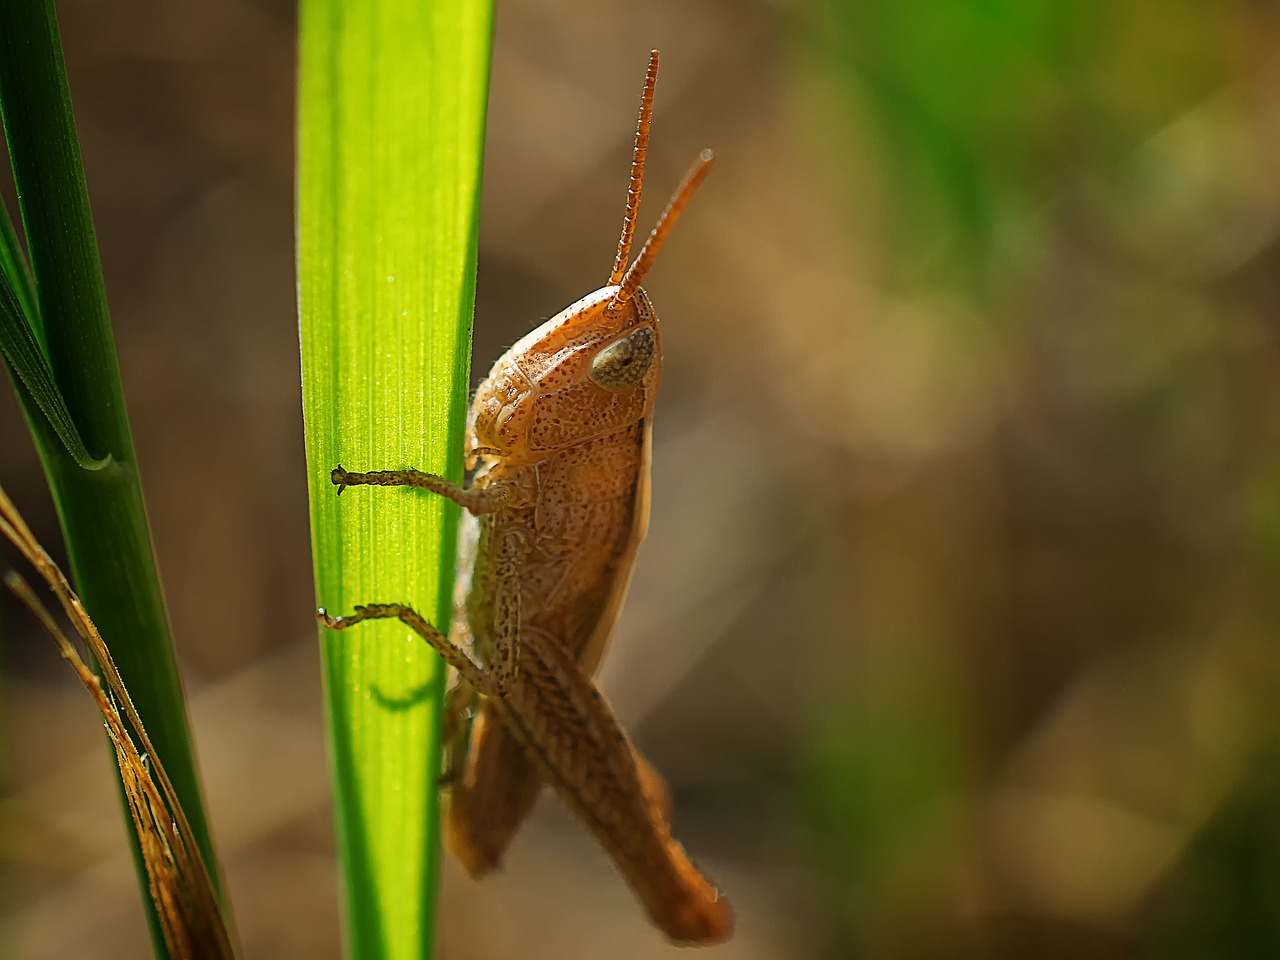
{"x": 637, "y": 170}
{"x": 675, "y": 206}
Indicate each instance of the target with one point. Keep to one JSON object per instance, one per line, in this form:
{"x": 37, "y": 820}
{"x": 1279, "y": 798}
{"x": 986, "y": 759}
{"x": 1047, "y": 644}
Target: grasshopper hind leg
{"x": 481, "y": 823}
{"x": 656, "y": 793}
{"x": 461, "y": 707}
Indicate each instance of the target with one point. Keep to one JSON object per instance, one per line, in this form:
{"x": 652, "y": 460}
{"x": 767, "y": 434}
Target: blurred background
{"x": 955, "y": 632}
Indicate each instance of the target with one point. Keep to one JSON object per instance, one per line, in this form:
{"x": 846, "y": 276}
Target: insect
{"x": 559, "y": 439}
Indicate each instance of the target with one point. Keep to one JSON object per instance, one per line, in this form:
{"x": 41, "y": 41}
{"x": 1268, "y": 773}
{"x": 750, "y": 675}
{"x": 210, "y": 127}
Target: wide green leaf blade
{"x": 391, "y": 121}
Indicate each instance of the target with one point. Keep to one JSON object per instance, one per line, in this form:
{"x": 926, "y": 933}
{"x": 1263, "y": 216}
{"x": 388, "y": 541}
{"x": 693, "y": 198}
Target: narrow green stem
{"x": 101, "y": 510}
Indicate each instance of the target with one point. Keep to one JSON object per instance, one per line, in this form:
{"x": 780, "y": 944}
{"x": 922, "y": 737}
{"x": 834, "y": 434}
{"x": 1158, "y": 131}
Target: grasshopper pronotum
{"x": 559, "y": 439}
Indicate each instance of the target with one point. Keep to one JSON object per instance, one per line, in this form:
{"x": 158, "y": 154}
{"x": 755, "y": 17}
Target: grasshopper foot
{"x": 342, "y": 623}
{"x": 339, "y": 478}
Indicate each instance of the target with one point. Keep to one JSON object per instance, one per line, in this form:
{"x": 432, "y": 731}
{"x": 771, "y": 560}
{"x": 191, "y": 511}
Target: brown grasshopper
{"x": 559, "y": 440}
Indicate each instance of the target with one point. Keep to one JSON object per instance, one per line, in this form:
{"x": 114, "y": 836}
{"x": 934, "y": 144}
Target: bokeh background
{"x": 955, "y": 632}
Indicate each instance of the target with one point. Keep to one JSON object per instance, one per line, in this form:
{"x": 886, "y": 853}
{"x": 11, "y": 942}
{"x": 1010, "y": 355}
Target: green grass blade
{"x": 29, "y": 368}
{"x": 13, "y": 267}
{"x": 101, "y": 511}
{"x": 391, "y": 121}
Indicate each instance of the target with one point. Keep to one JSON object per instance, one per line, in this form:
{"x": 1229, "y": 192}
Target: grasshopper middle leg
{"x": 456, "y": 657}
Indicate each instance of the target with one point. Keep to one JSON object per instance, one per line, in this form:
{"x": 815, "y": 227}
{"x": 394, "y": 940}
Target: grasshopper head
{"x": 592, "y": 369}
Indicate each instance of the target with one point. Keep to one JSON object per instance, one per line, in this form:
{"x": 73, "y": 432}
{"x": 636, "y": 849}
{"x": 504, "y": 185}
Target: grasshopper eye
{"x": 623, "y": 364}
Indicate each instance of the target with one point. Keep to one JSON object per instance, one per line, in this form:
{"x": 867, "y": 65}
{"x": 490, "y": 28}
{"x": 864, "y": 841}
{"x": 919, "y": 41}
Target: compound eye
{"x": 623, "y": 364}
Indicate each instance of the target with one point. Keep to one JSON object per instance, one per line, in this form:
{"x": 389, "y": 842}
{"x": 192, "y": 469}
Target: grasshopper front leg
{"x": 475, "y": 500}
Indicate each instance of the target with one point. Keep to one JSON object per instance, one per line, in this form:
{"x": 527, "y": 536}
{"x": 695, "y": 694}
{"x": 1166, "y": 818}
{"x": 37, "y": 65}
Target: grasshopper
{"x": 559, "y": 442}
